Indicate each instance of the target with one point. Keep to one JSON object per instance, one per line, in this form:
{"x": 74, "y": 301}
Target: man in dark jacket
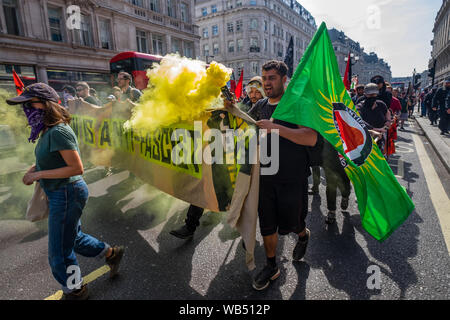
{"x": 432, "y": 114}
{"x": 439, "y": 103}
{"x": 383, "y": 94}
{"x": 128, "y": 92}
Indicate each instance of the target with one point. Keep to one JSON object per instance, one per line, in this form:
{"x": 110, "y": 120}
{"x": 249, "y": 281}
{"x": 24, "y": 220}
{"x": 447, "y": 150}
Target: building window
{"x": 230, "y": 27}
{"x": 230, "y": 46}
{"x": 215, "y": 30}
{"x": 205, "y": 33}
{"x": 253, "y": 24}
{"x": 189, "y": 49}
{"x": 54, "y": 19}
{"x": 204, "y": 12}
{"x": 157, "y": 44}
{"x": 238, "y": 3}
{"x": 213, "y": 8}
{"x": 265, "y": 44}
{"x": 253, "y": 2}
{"x": 154, "y": 5}
{"x": 240, "y": 45}
{"x": 141, "y": 41}
{"x": 12, "y": 18}
{"x": 239, "y": 25}
{"x": 266, "y": 27}
{"x": 176, "y": 45}
{"x": 138, "y": 3}
{"x": 254, "y": 45}
{"x": 105, "y": 34}
{"x": 84, "y": 35}
{"x": 184, "y": 8}
{"x": 171, "y": 9}
{"x": 229, "y": 5}
{"x": 254, "y": 67}
{"x": 215, "y": 48}
{"x": 206, "y": 50}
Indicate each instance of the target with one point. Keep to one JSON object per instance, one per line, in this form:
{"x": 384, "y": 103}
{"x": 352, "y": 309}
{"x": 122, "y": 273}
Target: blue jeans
{"x": 64, "y": 234}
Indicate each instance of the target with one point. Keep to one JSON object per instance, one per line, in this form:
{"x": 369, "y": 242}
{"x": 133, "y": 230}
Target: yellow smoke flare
{"x": 179, "y": 89}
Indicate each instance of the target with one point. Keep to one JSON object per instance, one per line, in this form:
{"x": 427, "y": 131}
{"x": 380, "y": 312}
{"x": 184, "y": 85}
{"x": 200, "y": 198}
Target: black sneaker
{"x": 344, "y": 203}
{"x": 80, "y": 294}
{"x": 114, "y": 261}
{"x": 183, "y": 232}
{"x": 314, "y": 190}
{"x": 331, "y": 218}
{"x": 300, "y": 247}
{"x": 262, "y": 280}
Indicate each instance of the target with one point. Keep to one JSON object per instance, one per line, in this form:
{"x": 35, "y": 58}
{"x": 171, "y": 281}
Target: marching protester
{"x": 432, "y": 111}
{"x": 69, "y": 93}
{"x": 404, "y": 111}
{"x": 59, "y": 170}
{"x": 359, "y": 94}
{"x": 124, "y": 80}
{"x": 439, "y": 105}
{"x": 375, "y": 112}
{"x": 423, "y": 108}
{"x": 116, "y": 94}
{"x": 335, "y": 177}
{"x": 83, "y": 91}
{"x": 411, "y": 104}
{"x": 383, "y": 94}
{"x": 283, "y": 197}
{"x": 255, "y": 93}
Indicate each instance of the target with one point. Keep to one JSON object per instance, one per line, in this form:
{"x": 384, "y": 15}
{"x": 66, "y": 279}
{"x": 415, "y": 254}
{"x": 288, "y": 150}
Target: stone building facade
{"x": 441, "y": 43}
{"x": 244, "y": 34}
{"x": 36, "y": 40}
{"x": 367, "y": 66}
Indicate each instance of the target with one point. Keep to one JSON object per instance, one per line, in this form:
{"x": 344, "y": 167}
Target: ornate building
{"x": 37, "y": 41}
{"x": 368, "y": 65}
{"x": 441, "y": 43}
{"x": 244, "y": 34}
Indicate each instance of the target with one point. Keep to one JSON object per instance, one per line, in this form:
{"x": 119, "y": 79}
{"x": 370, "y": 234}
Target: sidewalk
{"x": 441, "y": 144}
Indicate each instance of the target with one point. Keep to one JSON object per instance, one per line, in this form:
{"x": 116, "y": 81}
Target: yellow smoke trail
{"x": 180, "y": 89}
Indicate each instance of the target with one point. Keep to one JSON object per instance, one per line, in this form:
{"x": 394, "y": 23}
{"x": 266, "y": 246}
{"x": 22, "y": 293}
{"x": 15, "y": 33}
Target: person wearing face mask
{"x": 383, "y": 94}
{"x": 374, "y": 111}
{"x": 440, "y": 105}
{"x": 59, "y": 170}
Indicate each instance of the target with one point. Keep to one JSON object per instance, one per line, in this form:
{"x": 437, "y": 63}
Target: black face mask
{"x": 369, "y": 102}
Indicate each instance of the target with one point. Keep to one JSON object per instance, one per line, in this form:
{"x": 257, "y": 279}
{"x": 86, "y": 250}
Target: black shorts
{"x": 282, "y": 207}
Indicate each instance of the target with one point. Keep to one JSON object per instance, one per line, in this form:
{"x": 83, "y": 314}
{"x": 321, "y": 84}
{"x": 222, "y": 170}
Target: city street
{"x": 414, "y": 261}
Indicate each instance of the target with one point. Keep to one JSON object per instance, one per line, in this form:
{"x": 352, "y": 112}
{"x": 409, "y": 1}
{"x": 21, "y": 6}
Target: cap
{"x": 35, "y": 90}
{"x": 257, "y": 83}
{"x": 359, "y": 86}
{"x": 447, "y": 80}
{"x": 377, "y": 79}
{"x": 371, "y": 88}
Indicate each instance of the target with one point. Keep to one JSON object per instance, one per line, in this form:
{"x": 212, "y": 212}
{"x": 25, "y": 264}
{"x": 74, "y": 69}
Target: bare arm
{"x": 74, "y": 167}
{"x": 302, "y": 135}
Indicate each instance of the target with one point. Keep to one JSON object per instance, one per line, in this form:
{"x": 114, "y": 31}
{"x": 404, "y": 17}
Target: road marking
{"x": 89, "y": 278}
{"x": 438, "y": 196}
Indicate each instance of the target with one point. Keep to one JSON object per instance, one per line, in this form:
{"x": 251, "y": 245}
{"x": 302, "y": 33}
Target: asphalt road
{"x": 414, "y": 262}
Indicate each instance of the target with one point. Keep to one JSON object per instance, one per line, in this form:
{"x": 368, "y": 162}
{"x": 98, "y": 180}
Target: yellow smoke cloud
{"x": 180, "y": 89}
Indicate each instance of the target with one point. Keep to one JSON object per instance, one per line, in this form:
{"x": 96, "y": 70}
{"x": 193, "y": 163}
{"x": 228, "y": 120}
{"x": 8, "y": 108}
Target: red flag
{"x": 18, "y": 83}
{"x": 233, "y": 83}
{"x": 238, "y": 91}
{"x": 347, "y": 69}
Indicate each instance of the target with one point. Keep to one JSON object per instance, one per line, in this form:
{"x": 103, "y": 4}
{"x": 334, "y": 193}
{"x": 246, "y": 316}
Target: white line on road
{"x": 438, "y": 196}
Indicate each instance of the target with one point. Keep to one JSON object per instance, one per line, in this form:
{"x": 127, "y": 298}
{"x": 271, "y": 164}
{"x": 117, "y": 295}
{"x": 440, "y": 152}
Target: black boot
{"x": 184, "y": 232}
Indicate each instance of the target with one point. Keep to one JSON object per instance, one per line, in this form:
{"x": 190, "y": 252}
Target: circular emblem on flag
{"x": 354, "y": 133}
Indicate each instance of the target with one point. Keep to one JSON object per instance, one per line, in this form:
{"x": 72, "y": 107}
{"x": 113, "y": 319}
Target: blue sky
{"x": 400, "y": 33}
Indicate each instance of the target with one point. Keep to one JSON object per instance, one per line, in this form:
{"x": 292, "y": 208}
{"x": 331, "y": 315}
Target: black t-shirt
{"x": 375, "y": 117}
{"x": 293, "y": 158}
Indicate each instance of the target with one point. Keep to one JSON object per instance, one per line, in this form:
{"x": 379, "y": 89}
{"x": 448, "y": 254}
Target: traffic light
{"x": 431, "y": 72}
{"x": 416, "y": 81}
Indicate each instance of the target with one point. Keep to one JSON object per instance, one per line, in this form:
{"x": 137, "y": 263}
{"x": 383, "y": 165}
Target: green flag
{"x": 316, "y": 98}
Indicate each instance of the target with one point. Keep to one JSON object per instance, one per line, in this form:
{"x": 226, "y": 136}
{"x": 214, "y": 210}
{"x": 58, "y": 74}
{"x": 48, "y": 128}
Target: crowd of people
{"x": 123, "y": 91}
{"x": 435, "y": 102}
{"x": 283, "y": 197}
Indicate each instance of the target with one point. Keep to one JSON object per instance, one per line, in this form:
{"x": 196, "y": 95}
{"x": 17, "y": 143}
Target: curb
{"x": 441, "y": 149}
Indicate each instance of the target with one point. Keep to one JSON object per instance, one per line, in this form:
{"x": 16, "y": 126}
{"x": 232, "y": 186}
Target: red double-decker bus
{"x": 136, "y": 64}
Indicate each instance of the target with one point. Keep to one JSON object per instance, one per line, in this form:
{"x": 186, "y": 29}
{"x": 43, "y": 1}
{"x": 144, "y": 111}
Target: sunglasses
{"x": 81, "y": 89}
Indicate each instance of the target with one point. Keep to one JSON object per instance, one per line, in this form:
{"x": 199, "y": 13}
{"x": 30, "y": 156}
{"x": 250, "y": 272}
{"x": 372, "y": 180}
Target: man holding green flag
{"x": 316, "y": 98}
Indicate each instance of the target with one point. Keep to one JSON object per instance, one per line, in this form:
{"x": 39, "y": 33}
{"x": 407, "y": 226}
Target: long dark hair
{"x": 55, "y": 114}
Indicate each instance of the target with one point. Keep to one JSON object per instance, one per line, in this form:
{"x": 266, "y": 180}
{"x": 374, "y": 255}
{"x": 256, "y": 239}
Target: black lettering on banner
{"x": 75, "y": 124}
{"x": 88, "y": 125}
{"x": 156, "y": 144}
{"x": 166, "y": 145}
{"x": 148, "y": 148}
{"x": 105, "y": 136}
